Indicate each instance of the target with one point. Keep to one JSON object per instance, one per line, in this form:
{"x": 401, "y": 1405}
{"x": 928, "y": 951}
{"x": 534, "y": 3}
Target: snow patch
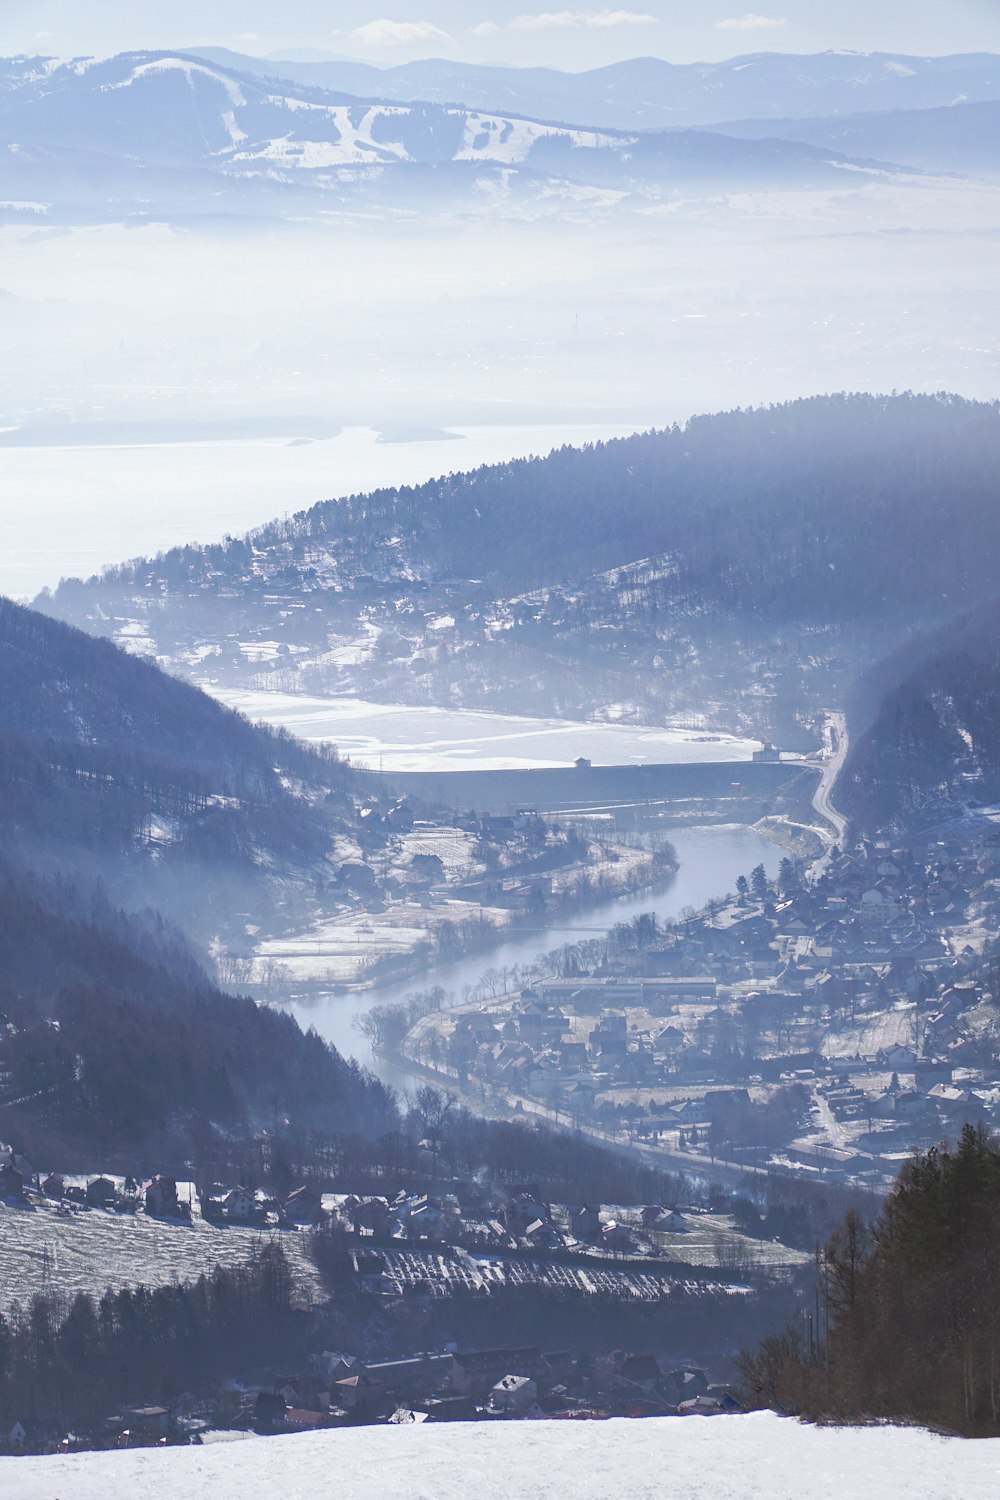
{"x": 494, "y": 138}
{"x": 354, "y": 145}
{"x": 234, "y": 93}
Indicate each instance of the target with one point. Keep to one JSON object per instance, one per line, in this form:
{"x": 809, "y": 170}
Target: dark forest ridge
{"x": 817, "y": 479}
{"x": 929, "y": 722}
{"x": 683, "y": 569}
{"x": 115, "y": 778}
{"x": 111, "y": 768}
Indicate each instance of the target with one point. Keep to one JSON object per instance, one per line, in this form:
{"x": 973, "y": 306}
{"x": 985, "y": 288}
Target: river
{"x": 709, "y": 860}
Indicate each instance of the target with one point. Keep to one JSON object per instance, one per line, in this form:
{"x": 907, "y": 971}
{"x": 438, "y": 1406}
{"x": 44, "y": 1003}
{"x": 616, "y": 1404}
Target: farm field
{"x": 48, "y": 1249}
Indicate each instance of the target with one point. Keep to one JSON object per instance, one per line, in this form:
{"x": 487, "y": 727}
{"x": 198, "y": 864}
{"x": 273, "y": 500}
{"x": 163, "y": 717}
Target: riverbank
{"x": 708, "y": 863}
{"x": 362, "y": 950}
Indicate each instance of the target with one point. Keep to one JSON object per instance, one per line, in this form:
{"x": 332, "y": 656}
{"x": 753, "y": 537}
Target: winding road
{"x": 836, "y": 731}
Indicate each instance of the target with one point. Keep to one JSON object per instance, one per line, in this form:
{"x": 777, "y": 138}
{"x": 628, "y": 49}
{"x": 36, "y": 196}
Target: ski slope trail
{"x": 757, "y": 1457}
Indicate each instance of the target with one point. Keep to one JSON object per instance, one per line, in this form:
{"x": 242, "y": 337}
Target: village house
{"x": 11, "y": 1183}
{"x": 370, "y": 1216}
{"x": 302, "y": 1420}
{"x": 417, "y": 1375}
{"x": 353, "y": 1392}
{"x": 513, "y": 1396}
{"x": 304, "y": 1206}
{"x": 640, "y": 1370}
{"x": 585, "y": 1221}
{"x": 15, "y": 1174}
{"x": 101, "y": 1192}
{"x": 144, "y": 1425}
{"x": 160, "y": 1196}
{"x": 475, "y": 1372}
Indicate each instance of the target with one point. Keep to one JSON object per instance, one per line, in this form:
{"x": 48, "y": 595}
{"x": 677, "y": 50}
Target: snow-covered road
{"x": 822, "y": 801}
{"x": 759, "y": 1457}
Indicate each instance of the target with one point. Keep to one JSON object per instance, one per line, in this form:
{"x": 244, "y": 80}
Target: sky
{"x": 552, "y": 33}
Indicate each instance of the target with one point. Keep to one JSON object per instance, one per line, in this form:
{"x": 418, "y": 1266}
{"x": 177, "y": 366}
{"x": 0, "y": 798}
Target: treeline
{"x": 564, "y": 1167}
{"x": 70, "y": 1366}
{"x": 907, "y": 1320}
{"x": 835, "y": 508}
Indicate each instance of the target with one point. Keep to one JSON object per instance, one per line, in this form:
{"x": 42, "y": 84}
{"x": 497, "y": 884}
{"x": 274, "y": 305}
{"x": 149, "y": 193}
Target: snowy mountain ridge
{"x": 162, "y": 134}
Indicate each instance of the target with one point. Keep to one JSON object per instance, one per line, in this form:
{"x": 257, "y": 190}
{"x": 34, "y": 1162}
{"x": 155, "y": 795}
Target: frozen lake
{"x": 397, "y": 737}
{"x": 67, "y": 511}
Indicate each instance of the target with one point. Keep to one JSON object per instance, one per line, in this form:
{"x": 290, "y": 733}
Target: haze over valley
{"x": 499, "y": 789}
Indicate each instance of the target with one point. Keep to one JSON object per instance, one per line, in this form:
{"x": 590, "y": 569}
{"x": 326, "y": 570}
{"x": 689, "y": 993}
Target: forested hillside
{"x": 114, "y": 1043}
{"x": 910, "y": 1331}
{"x": 780, "y": 511}
{"x": 929, "y": 722}
{"x": 743, "y": 566}
{"x": 111, "y": 768}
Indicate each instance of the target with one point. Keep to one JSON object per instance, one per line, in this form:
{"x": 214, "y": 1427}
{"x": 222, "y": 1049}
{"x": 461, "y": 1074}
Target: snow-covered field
{"x": 890, "y": 1028}
{"x": 759, "y": 1457}
{"x": 344, "y": 949}
{"x": 403, "y": 738}
{"x": 44, "y": 1249}
{"x": 67, "y": 511}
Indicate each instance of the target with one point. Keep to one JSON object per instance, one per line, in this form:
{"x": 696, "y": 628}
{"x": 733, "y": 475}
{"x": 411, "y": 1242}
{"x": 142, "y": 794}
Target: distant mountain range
{"x": 164, "y": 134}
{"x": 962, "y": 138}
{"x": 646, "y": 93}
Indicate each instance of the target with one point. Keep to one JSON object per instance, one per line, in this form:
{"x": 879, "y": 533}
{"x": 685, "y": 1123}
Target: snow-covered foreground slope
{"x": 760, "y": 1457}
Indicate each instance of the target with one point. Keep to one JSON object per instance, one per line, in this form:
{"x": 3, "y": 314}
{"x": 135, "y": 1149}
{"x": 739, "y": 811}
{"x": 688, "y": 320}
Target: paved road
{"x": 836, "y": 729}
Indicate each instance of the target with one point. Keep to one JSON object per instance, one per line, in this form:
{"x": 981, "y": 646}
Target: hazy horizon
{"x": 509, "y": 31}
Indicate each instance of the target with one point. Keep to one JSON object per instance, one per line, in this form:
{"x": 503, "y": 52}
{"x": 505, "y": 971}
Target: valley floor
{"x": 757, "y": 1457}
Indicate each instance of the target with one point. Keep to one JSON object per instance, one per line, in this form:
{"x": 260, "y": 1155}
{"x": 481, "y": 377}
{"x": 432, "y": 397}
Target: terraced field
{"x": 488, "y": 1273}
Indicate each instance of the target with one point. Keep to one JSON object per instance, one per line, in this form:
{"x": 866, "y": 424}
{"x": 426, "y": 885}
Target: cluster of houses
{"x": 134, "y": 1427}
{"x": 493, "y": 1220}
{"x": 339, "y": 1390}
{"x": 159, "y": 1197}
{"x": 510, "y": 1383}
{"x": 19, "y": 1182}
{"x": 869, "y": 992}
